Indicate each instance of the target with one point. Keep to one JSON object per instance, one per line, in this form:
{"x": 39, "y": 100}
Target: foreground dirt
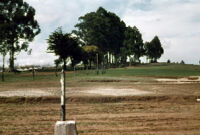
{"x": 160, "y": 116}
{"x": 130, "y": 106}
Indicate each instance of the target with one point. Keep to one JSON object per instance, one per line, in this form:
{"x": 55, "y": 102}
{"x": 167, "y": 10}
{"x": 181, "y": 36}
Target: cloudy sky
{"x": 176, "y": 22}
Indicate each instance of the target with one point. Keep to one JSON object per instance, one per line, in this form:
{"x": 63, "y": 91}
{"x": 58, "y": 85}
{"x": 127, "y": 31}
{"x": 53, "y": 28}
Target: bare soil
{"x": 174, "y": 116}
{"x": 133, "y": 106}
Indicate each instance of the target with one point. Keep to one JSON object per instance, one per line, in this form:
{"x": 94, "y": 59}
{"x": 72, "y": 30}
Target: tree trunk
{"x": 90, "y": 61}
{"x": 64, "y": 65}
{"x": 2, "y": 76}
{"x": 11, "y": 60}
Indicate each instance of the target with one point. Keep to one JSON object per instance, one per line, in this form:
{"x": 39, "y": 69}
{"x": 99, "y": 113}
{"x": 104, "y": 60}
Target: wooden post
{"x": 97, "y": 64}
{"x": 62, "y": 81}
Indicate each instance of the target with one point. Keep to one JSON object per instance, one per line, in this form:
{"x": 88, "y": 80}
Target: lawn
{"x": 151, "y": 70}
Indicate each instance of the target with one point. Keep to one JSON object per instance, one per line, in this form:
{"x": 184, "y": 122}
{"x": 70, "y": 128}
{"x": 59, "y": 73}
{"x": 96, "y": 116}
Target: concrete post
{"x": 65, "y": 128}
{"x": 62, "y": 81}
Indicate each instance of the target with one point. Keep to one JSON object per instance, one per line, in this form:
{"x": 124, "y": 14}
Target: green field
{"x": 150, "y": 70}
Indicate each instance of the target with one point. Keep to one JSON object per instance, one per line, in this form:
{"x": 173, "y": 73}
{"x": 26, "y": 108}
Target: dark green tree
{"x": 90, "y": 55}
{"x": 19, "y": 25}
{"x": 57, "y": 62}
{"x": 76, "y": 54}
{"x": 63, "y": 45}
{"x": 101, "y": 28}
{"x": 133, "y": 44}
{"x": 154, "y": 49}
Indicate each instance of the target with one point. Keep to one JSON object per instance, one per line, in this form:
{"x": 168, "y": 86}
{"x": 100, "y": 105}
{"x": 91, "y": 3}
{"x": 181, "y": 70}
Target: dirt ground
{"x": 132, "y": 106}
{"x": 176, "y": 116}
{"x": 108, "y": 87}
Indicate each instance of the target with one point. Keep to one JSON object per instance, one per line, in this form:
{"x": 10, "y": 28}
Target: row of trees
{"x": 100, "y": 32}
{"x": 104, "y": 33}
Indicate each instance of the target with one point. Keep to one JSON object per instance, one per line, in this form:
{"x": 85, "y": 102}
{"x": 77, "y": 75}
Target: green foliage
{"x": 64, "y": 46}
{"x": 90, "y": 53}
{"x": 182, "y": 62}
{"x": 18, "y": 26}
{"x": 154, "y": 49}
{"x": 101, "y": 28}
{"x": 133, "y": 43}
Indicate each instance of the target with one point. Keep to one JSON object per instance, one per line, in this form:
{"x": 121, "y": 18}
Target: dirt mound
{"x": 103, "y": 80}
{"x": 99, "y": 99}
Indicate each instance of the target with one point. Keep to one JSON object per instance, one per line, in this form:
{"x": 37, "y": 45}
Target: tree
{"x": 101, "y": 28}
{"x": 3, "y": 51}
{"x": 182, "y": 62}
{"x": 62, "y": 45}
{"x": 90, "y": 53}
{"x": 154, "y": 49}
{"x": 57, "y": 62}
{"x": 133, "y": 44}
{"x": 76, "y": 54}
{"x": 19, "y": 25}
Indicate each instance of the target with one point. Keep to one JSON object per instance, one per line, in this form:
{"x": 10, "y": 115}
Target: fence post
{"x": 64, "y": 127}
{"x": 62, "y": 81}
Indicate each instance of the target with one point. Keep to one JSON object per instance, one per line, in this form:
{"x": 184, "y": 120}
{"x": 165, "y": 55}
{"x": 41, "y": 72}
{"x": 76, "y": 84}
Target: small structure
{"x": 64, "y": 127}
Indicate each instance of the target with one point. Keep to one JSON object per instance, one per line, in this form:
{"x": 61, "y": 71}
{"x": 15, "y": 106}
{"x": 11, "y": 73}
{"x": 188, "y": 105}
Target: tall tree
{"x": 3, "y": 41}
{"x": 133, "y": 44}
{"x": 20, "y": 24}
{"x": 3, "y": 51}
{"x": 62, "y": 45}
{"x": 154, "y": 49}
{"x": 101, "y": 28}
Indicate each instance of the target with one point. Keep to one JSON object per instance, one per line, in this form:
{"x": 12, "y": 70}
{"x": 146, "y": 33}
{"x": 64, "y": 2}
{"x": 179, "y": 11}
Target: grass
{"x": 150, "y": 70}
{"x": 163, "y": 70}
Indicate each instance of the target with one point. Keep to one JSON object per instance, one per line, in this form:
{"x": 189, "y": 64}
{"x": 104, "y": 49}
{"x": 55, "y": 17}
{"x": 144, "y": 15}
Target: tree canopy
{"x": 133, "y": 43}
{"x": 19, "y": 26}
{"x": 154, "y": 49}
{"x": 102, "y": 28}
{"x": 64, "y": 45}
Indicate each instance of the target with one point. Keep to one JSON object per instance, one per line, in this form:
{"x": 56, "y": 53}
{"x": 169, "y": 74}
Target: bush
{"x": 182, "y": 62}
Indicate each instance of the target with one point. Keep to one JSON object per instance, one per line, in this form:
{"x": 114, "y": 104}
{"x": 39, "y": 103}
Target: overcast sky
{"x": 176, "y": 22}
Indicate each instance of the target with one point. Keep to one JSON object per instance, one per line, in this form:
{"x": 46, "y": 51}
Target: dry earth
{"x": 188, "y": 86}
{"x": 111, "y": 107}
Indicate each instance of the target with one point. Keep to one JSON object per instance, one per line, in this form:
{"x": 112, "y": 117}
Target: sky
{"x": 175, "y": 22}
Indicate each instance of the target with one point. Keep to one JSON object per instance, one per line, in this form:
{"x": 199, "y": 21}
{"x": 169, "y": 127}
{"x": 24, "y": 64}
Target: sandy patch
{"x": 104, "y": 91}
{"x": 25, "y": 93}
{"x": 116, "y": 92}
{"x": 190, "y": 79}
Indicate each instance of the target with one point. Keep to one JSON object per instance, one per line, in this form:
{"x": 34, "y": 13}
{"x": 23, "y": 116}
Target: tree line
{"x": 103, "y": 33}
{"x": 100, "y": 32}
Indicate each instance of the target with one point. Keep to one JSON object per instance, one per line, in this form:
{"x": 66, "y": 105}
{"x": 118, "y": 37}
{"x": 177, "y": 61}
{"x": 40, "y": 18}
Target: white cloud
{"x": 173, "y": 22}
{"x": 176, "y": 22}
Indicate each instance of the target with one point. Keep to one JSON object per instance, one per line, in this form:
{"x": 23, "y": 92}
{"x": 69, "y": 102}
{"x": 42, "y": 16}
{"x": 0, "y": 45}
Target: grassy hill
{"x": 146, "y": 70}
